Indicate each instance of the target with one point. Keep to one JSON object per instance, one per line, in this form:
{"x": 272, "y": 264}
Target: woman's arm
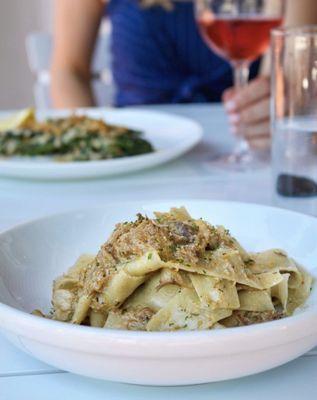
{"x": 298, "y": 13}
{"x": 76, "y": 24}
{"x": 303, "y": 12}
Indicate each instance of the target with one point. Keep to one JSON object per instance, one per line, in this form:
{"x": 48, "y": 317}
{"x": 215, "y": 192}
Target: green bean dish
{"x": 73, "y": 138}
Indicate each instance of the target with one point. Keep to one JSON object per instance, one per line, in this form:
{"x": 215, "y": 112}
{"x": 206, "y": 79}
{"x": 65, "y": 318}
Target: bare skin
{"x": 248, "y": 110}
{"x": 73, "y": 47}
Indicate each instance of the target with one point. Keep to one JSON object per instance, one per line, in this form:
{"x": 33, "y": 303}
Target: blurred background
{"x": 17, "y": 19}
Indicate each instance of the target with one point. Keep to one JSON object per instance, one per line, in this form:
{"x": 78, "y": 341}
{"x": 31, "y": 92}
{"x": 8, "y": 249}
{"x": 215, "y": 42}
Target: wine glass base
{"x": 240, "y": 162}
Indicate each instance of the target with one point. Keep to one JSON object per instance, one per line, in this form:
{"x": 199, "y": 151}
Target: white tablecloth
{"x": 22, "y": 377}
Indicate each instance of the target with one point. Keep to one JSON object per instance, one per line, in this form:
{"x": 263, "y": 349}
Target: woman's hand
{"x": 249, "y": 112}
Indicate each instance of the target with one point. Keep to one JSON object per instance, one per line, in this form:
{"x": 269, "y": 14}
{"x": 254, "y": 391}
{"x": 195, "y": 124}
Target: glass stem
{"x": 241, "y": 76}
{"x": 241, "y": 73}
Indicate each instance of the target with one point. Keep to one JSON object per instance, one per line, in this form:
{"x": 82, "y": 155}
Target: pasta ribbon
{"x": 176, "y": 272}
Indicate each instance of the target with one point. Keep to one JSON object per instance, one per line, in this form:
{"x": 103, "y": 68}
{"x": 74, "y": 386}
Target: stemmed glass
{"x": 238, "y": 31}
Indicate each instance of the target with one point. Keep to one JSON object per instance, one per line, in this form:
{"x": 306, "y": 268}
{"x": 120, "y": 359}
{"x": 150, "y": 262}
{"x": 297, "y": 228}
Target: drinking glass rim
{"x": 305, "y": 30}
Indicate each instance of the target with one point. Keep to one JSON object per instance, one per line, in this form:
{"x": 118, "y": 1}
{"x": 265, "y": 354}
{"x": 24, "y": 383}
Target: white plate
{"x": 32, "y": 255}
{"x": 170, "y": 135}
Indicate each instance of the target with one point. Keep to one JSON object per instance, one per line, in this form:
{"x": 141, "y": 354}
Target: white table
{"x": 22, "y": 377}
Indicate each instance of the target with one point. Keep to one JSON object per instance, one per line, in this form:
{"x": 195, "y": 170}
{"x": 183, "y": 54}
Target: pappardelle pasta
{"x": 173, "y": 272}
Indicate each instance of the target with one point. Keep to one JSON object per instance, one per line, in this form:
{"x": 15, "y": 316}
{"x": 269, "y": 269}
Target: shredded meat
{"x": 182, "y": 233}
{"x": 183, "y": 241}
{"x": 135, "y": 319}
{"x": 134, "y": 239}
{"x": 173, "y": 239}
{"x": 243, "y": 318}
{"x": 139, "y": 319}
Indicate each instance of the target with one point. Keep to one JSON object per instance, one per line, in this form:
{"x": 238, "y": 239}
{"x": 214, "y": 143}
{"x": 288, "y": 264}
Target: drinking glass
{"x": 294, "y": 117}
{"x": 238, "y": 31}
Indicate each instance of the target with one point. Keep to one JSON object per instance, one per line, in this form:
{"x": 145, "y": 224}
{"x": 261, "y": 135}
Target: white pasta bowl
{"x": 33, "y": 254}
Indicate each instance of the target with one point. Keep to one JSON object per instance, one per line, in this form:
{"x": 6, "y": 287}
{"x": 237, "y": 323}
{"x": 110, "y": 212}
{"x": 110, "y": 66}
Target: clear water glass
{"x": 294, "y": 118}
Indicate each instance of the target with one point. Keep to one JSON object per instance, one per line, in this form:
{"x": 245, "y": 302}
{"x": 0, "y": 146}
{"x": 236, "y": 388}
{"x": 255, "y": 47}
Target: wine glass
{"x": 238, "y": 31}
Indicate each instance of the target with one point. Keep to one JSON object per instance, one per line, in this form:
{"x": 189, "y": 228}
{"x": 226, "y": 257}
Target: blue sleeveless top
{"x": 159, "y": 56}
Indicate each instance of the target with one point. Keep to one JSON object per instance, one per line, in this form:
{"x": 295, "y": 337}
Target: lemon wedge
{"x": 15, "y": 120}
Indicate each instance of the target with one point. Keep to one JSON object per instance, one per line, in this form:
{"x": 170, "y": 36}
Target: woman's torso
{"x": 159, "y": 56}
